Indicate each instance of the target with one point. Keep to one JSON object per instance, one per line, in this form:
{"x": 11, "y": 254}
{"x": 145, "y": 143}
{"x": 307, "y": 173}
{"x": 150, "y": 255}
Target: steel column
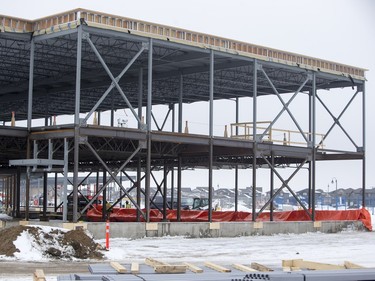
{"x": 18, "y": 201}
{"x": 236, "y": 168}
{"x": 45, "y": 195}
{"x": 149, "y": 121}
{"x": 272, "y": 182}
{"x": 104, "y": 201}
{"x": 14, "y": 198}
{"x": 172, "y": 168}
{"x": 313, "y": 146}
{"x": 211, "y": 133}
{"x": 31, "y": 85}
{"x": 64, "y": 196}
{"x": 179, "y": 182}
{"x": 77, "y": 123}
{"x": 55, "y": 192}
{"x": 139, "y": 166}
{"x": 180, "y": 106}
{"x": 165, "y": 186}
{"x": 140, "y": 95}
{"x": 255, "y": 86}
{"x": 139, "y": 182}
{"x": 364, "y": 145}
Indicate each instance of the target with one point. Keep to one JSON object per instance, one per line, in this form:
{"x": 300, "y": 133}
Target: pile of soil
{"x": 57, "y": 244}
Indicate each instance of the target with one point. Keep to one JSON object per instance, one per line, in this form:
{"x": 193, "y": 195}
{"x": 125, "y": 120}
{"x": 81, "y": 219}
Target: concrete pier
{"x": 136, "y": 230}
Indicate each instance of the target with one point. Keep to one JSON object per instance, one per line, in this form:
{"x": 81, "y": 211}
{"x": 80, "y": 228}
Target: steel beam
{"x": 36, "y": 162}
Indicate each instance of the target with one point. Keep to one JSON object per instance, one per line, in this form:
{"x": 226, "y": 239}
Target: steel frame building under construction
{"x": 82, "y": 63}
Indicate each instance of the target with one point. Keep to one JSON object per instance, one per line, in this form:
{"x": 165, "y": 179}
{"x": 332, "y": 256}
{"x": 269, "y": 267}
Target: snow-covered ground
{"x": 357, "y": 247}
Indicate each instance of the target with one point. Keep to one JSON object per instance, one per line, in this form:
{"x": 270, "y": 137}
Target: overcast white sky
{"x": 338, "y": 30}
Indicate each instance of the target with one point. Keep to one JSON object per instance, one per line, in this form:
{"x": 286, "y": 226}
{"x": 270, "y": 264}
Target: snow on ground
{"x": 354, "y": 246}
{"x": 30, "y": 250}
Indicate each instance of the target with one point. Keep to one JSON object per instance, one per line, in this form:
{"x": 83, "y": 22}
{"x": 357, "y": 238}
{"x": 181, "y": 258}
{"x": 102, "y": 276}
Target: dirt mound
{"x": 53, "y": 243}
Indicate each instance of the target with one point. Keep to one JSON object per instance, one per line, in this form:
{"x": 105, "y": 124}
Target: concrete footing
{"x": 136, "y": 230}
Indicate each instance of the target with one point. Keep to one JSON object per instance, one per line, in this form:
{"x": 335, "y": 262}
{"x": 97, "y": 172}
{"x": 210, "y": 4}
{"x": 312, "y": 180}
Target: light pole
{"x": 335, "y": 180}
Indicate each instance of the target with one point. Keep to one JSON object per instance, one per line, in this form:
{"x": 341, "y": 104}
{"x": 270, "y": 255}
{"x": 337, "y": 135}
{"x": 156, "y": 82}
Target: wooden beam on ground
{"x": 134, "y": 268}
{"x": 260, "y": 267}
{"x": 170, "y": 268}
{"x": 216, "y": 267}
{"x": 243, "y": 268}
{"x": 163, "y": 267}
{"x": 288, "y": 265}
{"x": 193, "y": 267}
{"x": 118, "y": 267}
{"x": 39, "y": 275}
{"x": 299, "y": 263}
{"x": 350, "y": 265}
{"x": 152, "y": 262}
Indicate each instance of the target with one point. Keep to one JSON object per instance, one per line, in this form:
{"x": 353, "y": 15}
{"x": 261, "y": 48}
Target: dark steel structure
{"x": 82, "y": 63}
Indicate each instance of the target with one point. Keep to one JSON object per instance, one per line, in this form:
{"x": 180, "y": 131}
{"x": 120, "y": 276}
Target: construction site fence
{"x": 130, "y": 215}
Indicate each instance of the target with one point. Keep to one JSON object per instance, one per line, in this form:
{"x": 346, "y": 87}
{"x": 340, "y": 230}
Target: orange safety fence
{"x": 130, "y": 215}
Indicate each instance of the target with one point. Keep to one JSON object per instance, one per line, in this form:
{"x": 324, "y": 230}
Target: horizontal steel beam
{"x": 36, "y": 162}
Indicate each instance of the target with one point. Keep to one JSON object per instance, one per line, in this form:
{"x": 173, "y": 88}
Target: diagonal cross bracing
{"x": 337, "y": 120}
{"x": 284, "y": 184}
{"x": 284, "y": 104}
{"x": 115, "y": 80}
{"x": 284, "y": 108}
{"x": 114, "y": 177}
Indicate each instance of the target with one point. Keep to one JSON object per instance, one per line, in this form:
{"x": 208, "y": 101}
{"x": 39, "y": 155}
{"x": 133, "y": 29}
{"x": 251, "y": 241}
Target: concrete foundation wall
{"x": 135, "y": 230}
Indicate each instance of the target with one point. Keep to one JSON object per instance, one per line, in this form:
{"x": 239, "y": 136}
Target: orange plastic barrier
{"x": 130, "y": 215}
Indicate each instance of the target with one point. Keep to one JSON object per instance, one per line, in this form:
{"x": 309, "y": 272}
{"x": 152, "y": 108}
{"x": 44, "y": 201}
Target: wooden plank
{"x": 350, "y": 265}
{"x": 260, "y": 267}
{"x": 243, "y": 268}
{"x": 118, "y": 267}
{"x": 152, "y": 262}
{"x": 39, "y": 275}
{"x": 193, "y": 267}
{"x": 134, "y": 268}
{"x": 216, "y": 267}
{"x": 169, "y": 268}
{"x": 316, "y": 265}
{"x": 288, "y": 265}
